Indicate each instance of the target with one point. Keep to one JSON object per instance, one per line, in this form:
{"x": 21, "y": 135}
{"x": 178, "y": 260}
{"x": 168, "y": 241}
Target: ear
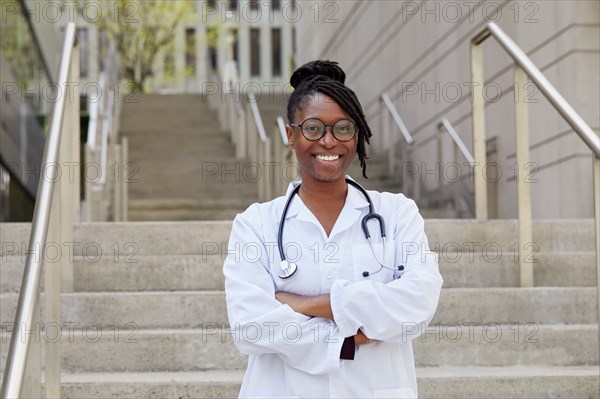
{"x": 290, "y": 135}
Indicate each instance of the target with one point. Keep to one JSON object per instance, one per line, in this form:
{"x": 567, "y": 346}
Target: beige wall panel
{"x": 394, "y": 46}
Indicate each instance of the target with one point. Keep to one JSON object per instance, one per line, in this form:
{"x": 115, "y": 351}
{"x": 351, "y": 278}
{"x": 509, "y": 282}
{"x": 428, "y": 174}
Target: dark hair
{"x": 327, "y": 78}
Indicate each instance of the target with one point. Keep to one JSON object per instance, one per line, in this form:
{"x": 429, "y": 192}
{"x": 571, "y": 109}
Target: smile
{"x": 327, "y": 157}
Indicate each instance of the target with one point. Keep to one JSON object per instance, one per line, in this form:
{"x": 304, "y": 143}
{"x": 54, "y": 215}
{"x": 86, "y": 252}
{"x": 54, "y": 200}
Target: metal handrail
{"x": 257, "y": 119}
{"x": 390, "y": 106}
{"x": 16, "y": 362}
{"x": 556, "y": 99}
{"x": 445, "y": 123}
{"x": 527, "y": 69}
{"x": 282, "y": 133}
{"x": 106, "y": 113}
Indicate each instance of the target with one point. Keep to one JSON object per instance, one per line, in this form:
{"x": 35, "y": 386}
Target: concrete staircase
{"x": 147, "y": 318}
{"x": 186, "y": 165}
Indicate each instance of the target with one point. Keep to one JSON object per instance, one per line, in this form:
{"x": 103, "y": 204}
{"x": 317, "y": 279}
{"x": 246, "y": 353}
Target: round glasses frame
{"x": 325, "y": 129}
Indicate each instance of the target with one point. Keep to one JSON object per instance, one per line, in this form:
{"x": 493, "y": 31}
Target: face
{"x": 326, "y": 159}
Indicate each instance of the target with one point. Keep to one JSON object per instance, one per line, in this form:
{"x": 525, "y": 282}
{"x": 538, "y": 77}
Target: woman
{"x": 334, "y": 318}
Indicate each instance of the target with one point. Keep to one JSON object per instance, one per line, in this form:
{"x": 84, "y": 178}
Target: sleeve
{"x": 261, "y": 324}
{"x": 400, "y": 310}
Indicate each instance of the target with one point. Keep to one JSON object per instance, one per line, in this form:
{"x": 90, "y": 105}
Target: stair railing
{"x": 524, "y": 69}
{"x": 56, "y": 209}
{"x": 390, "y": 140}
{"x": 259, "y": 150}
{"x": 459, "y": 146}
{"x": 286, "y": 167}
{"x": 101, "y": 145}
{"x": 238, "y": 127}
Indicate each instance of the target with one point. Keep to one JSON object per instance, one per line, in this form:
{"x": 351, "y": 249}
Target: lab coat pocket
{"x": 367, "y": 259}
{"x": 399, "y": 393}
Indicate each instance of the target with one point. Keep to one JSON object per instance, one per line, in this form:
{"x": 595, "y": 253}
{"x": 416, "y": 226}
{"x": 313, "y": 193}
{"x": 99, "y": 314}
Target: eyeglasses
{"x": 313, "y": 129}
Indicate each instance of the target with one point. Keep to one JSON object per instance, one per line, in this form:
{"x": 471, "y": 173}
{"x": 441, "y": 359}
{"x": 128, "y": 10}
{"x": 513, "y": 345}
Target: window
{"x": 169, "y": 61}
{"x": 275, "y": 4}
{"x": 82, "y": 37}
{"x": 212, "y": 36}
{"x": 233, "y": 5}
{"x": 254, "y": 4}
{"x": 190, "y": 51}
{"x": 276, "y": 51}
{"x": 235, "y": 45}
{"x": 255, "y": 52}
{"x": 102, "y": 48}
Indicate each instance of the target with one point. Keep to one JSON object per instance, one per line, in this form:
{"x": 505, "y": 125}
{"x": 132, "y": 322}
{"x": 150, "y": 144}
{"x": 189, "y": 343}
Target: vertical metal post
{"x": 438, "y": 166}
{"x": 523, "y": 188}
{"x": 389, "y": 141}
{"x": 87, "y": 185}
{"x": 478, "y": 123}
{"x": 116, "y": 184}
{"x": 456, "y": 187}
{"x": 32, "y": 381}
{"x": 71, "y": 189}
{"x": 596, "y": 175}
{"x": 267, "y": 162}
{"x": 52, "y": 280}
{"x": 124, "y": 178}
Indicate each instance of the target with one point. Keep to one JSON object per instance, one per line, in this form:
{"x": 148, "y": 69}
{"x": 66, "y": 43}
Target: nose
{"x": 328, "y": 140}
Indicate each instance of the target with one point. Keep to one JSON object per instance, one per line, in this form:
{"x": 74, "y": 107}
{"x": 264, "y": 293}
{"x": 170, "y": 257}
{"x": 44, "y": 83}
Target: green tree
{"x": 142, "y": 29}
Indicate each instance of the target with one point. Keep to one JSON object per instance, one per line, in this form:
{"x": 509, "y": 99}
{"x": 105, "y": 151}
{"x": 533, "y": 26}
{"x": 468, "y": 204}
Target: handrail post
{"x": 523, "y": 188}
{"x": 18, "y": 369}
{"x": 478, "y": 122}
{"x": 124, "y": 177}
{"x": 117, "y": 204}
{"x": 266, "y": 174}
{"x": 391, "y": 154}
{"x": 596, "y": 176}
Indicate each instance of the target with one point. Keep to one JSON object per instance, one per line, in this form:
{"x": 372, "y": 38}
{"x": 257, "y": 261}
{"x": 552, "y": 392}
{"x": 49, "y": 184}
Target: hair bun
{"x": 326, "y": 69}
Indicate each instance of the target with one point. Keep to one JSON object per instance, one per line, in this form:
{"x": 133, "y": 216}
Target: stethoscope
{"x": 289, "y": 268}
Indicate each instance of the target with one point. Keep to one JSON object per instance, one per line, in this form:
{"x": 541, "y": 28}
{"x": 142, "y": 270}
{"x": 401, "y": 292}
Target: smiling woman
{"x": 336, "y": 315}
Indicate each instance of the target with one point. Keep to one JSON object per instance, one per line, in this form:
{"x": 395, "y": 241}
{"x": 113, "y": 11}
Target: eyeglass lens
{"x": 314, "y": 129}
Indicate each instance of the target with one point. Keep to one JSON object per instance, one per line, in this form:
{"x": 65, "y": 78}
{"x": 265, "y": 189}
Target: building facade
{"x": 419, "y": 54}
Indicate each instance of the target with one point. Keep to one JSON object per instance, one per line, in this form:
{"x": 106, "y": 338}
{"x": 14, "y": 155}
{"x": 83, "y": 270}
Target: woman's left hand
{"x": 312, "y": 306}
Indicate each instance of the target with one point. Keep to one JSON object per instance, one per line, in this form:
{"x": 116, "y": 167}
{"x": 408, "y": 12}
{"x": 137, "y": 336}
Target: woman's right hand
{"x": 360, "y": 338}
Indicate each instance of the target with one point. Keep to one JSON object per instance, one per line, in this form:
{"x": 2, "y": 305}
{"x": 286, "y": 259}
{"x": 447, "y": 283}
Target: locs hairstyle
{"x": 327, "y": 78}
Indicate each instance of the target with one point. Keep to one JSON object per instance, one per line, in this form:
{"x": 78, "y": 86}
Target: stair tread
{"x": 467, "y": 372}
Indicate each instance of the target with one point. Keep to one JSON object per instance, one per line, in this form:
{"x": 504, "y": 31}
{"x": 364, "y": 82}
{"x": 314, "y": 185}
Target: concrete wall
{"x": 418, "y": 53}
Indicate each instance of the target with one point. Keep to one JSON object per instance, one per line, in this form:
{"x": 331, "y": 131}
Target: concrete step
{"x": 493, "y": 236}
{"x": 190, "y": 309}
{"x": 443, "y": 382}
{"x": 158, "y": 385}
{"x": 508, "y": 382}
{"x": 183, "y": 214}
{"x": 126, "y": 271}
{"x": 123, "y": 348}
{"x": 131, "y": 273}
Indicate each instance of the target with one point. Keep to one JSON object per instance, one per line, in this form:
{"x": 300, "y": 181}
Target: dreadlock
{"x": 327, "y": 78}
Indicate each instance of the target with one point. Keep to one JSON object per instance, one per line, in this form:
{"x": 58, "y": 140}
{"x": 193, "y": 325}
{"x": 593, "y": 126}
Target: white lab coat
{"x": 292, "y": 355}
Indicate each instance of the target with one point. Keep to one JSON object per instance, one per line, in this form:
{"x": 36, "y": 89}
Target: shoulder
{"x": 396, "y": 203}
{"x": 399, "y": 212}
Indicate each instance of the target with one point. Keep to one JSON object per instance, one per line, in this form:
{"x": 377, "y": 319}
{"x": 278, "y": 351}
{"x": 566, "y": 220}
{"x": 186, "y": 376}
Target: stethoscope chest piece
{"x": 287, "y": 269}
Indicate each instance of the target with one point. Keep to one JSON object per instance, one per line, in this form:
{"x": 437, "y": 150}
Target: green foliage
{"x": 142, "y": 29}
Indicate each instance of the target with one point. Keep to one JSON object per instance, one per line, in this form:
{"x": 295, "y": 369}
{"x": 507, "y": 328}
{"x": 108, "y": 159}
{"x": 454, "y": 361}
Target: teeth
{"x": 328, "y": 157}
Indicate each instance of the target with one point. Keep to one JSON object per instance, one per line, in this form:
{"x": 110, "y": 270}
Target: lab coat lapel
{"x": 352, "y": 211}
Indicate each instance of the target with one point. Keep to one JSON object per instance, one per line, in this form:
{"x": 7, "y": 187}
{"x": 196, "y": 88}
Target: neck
{"x": 313, "y": 190}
